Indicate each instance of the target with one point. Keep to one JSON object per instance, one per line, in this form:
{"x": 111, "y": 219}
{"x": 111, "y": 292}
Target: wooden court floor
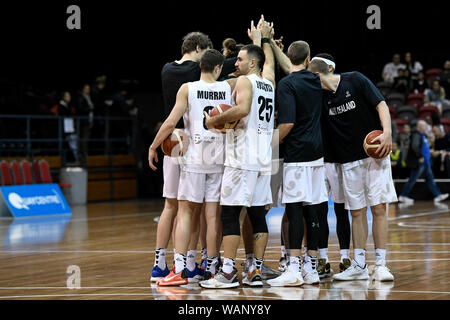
{"x": 107, "y": 250}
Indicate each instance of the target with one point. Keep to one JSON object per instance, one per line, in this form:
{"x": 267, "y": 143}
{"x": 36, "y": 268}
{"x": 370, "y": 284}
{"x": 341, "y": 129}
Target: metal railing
{"x": 31, "y": 135}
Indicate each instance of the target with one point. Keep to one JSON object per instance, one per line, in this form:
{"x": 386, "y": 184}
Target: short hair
{"x": 319, "y": 66}
{"x": 210, "y": 59}
{"x": 194, "y": 39}
{"x": 298, "y": 51}
{"x": 257, "y": 53}
{"x": 326, "y": 56}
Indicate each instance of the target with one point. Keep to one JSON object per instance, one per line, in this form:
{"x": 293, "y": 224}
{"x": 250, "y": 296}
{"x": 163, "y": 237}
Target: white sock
{"x": 323, "y": 253}
{"x": 190, "y": 261}
{"x": 180, "y": 262}
{"x": 283, "y": 251}
{"x": 359, "y": 255}
{"x": 211, "y": 264}
{"x": 160, "y": 258}
{"x": 294, "y": 264}
{"x": 204, "y": 254}
{"x": 305, "y": 250}
{"x": 345, "y": 254}
{"x": 380, "y": 257}
{"x": 228, "y": 265}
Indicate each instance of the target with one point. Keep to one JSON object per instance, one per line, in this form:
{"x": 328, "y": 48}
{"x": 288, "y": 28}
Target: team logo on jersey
{"x": 347, "y": 94}
{"x": 197, "y": 138}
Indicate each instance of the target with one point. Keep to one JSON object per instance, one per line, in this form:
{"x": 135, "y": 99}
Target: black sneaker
{"x": 344, "y": 264}
{"x": 324, "y": 269}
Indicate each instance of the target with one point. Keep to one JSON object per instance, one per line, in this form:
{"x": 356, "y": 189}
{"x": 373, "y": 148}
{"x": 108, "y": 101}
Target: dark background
{"x": 134, "y": 39}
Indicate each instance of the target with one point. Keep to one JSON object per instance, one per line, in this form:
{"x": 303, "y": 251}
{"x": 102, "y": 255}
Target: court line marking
{"x": 421, "y": 214}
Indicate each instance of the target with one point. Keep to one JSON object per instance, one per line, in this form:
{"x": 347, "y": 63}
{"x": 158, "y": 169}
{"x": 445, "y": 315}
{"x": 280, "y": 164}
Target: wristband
{"x": 265, "y": 40}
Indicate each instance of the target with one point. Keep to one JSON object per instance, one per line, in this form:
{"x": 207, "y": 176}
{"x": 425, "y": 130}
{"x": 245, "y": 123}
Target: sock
{"x": 380, "y": 257}
{"x": 283, "y": 251}
{"x": 305, "y": 252}
{"x": 324, "y": 254}
{"x": 180, "y": 262}
{"x": 228, "y": 265}
{"x": 204, "y": 254}
{"x": 190, "y": 262}
{"x": 294, "y": 264}
{"x": 258, "y": 263}
{"x": 345, "y": 254}
{"x": 360, "y": 257}
{"x": 211, "y": 264}
{"x": 311, "y": 263}
{"x": 160, "y": 258}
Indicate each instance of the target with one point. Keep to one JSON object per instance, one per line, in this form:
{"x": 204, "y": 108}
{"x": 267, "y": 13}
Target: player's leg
{"x": 324, "y": 267}
{"x": 247, "y": 238}
{"x": 343, "y": 230}
{"x": 202, "y": 238}
{"x": 193, "y": 270}
{"x": 282, "y": 264}
{"x": 309, "y": 272}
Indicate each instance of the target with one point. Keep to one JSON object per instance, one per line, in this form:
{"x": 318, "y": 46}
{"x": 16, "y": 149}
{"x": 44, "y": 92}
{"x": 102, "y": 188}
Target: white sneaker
{"x": 406, "y": 200}
{"x": 287, "y": 279}
{"x": 382, "y": 273}
{"x": 441, "y": 197}
{"x": 311, "y": 277}
{"x": 354, "y": 272}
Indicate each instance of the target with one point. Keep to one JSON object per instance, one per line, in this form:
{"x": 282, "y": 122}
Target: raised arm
{"x": 282, "y": 58}
{"x": 169, "y": 124}
{"x": 269, "y": 64}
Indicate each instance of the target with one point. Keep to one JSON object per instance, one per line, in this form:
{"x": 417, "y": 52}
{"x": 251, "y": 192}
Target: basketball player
{"x": 201, "y": 168}
{"x": 246, "y": 179}
{"x": 335, "y": 189}
{"x": 299, "y": 101}
{"x": 353, "y": 107}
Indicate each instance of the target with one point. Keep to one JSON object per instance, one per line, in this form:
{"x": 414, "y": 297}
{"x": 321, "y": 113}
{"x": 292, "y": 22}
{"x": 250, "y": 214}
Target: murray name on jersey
{"x": 211, "y": 95}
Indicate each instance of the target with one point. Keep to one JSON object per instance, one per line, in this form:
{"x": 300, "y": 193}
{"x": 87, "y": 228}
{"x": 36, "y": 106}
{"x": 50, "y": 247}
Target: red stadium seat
{"x": 26, "y": 171}
{"x": 432, "y": 74}
{"x": 36, "y": 172}
{"x": 6, "y": 173}
{"x": 415, "y": 99}
{"x": 16, "y": 172}
{"x": 426, "y": 111}
{"x": 446, "y": 124}
{"x": 400, "y": 124}
{"x": 46, "y": 175}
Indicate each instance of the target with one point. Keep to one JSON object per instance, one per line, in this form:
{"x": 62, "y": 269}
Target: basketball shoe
{"x": 288, "y": 278}
{"x": 222, "y": 280}
{"x": 282, "y": 264}
{"x": 382, "y": 273}
{"x": 310, "y": 276}
{"x": 253, "y": 279}
{"x": 195, "y": 275}
{"x": 344, "y": 264}
{"x": 354, "y": 272}
{"x": 158, "y": 274}
{"x": 174, "y": 279}
{"x": 324, "y": 269}
{"x": 269, "y": 273}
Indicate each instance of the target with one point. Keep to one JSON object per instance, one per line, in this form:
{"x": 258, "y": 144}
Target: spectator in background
{"x": 99, "y": 98}
{"x": 418, "y": 160}
{"x": 442, "y": 145}
{"x": 396, "y": 160}
{"x": 401, "y": 82}
{"x": 390, "y": 70}
{"x": 420, "y": 84}
{"x": 404, "y": 142}
{"x": 65, "y": 110}
{"x": 98, "y": 95}
{"x": 85, "y": 109}
{"x": 444, "y": 78}
{"x": 414, "y": 67}
{"x": 230, "y": 50}
{"x": 435, "y": 95}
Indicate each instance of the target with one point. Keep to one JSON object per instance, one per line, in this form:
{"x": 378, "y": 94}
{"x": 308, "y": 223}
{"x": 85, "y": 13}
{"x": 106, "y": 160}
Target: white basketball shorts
{"x": 199, "y": 187}
{"x": 171, "y": 172}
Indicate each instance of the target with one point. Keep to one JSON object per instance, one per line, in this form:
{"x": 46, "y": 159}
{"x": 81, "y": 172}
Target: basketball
{"x": 221, "y": 108}
{"x": 175, "y": 145}
{"x": 370, "y": 148}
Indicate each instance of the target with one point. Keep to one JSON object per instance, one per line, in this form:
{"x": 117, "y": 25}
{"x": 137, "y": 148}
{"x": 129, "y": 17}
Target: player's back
{"x": 206, "y": 147}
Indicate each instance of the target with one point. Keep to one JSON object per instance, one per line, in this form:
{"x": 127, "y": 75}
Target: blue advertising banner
{"x": 33, "y": 200}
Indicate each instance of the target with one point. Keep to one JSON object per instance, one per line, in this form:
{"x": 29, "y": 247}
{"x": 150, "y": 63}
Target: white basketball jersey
{"x": 248, "y": 145}
{"x": 205, "y": 152}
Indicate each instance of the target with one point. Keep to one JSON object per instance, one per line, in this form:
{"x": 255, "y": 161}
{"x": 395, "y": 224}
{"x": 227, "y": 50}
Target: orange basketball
{"x": 175, "y": 145}
{"x": 221, "y": 108}
{"x": 370, "y": 148}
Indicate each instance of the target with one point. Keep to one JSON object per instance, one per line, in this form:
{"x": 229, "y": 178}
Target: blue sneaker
{"x": 158, "y": 274}
{"x": 196, "y": 275}
{"x": 204, "y": 264}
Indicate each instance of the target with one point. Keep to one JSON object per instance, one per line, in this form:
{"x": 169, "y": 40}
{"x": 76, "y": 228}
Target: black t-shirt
{"x": 174, "y": 75}
{"x": 299, "y": 101}
{"x": 349, "y": 115}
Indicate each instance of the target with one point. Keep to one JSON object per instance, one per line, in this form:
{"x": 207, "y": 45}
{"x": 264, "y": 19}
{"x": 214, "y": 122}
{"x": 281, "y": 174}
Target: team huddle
{"x": 298, "y": 142}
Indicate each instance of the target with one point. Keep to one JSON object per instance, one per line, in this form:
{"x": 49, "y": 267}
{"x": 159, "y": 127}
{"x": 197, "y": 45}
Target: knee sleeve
{"x": 294, "y": 212}
{"x": 257, "y": 217}
{"x": 230, "y": 220}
